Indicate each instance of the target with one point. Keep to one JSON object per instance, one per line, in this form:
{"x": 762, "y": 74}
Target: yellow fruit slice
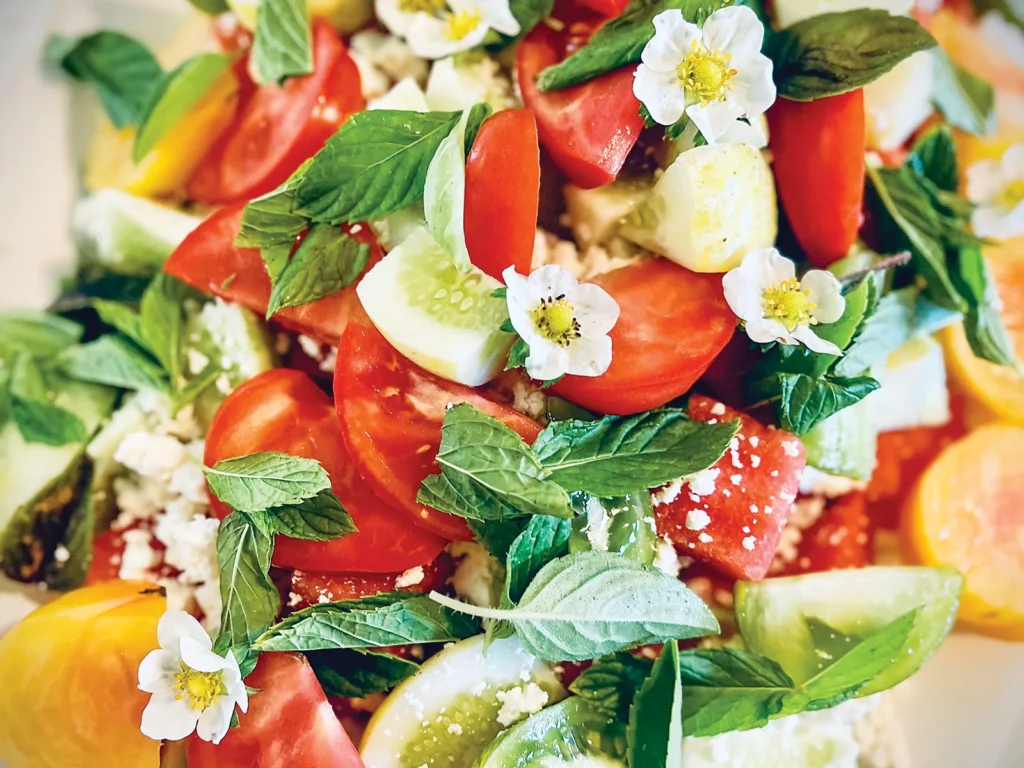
{"x": 968, "y": 512}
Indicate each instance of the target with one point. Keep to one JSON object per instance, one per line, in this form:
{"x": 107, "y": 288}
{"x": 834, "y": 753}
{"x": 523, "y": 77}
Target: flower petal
{"x": 778, "y": 267}
{"x": 551, "y": 281}
{"x": 824, "y": 290}
{"x": 752, "y": 88}
{"x": 751, "y": 133}
{"x": 428, "y": 37}
{"x": 167, "y": 717}
{"x": 393, "y": 17}
{"x": 661, "y": 93}
{"x": 546, "y": 360}
{"x": 199, "y": 658}
{"x": 157, "y": 670}
{"x": 984, "y": 182}
{"x": 998, "y": 223}
{"x": 498, "y": 16}
{"x": 673, "y": 36}
{"x": 764, "y": 330}
{"x": 735, "y": 30}
{"x": 714, "y": 119}
{"x": 216, "y": 719}
{"x": 595, "y": 310}
{"x": 176, "y": 625}
{"x": 1012, "y": 163}
{"x": 589, "y": 356}
{"x": 815, "y": 343}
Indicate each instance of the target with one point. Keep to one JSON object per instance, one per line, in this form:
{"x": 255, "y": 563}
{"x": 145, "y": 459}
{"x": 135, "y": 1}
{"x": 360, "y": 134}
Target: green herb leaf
{"x": 529, "y": 13}
{"x": 320, "y": 518}
{"x": 173, "y": 96}
{"x": 444, "y": 194}
{"x": 595, "y": 603}
{"x": 655, "y": 734}
{"x": 250, "y": 599}
{"x": 890, "y": 326}
{"x": 609, "y": 685}
{"x": 123, "y": 318}
{"x": 517, "y": 355}
{"x": 357, "y": 673}
{"x": 113, "y": 361}
{"x": 121, "y": 69}
{"x": 983, "y": 324}
{"x": 212, "y": 7}
{"x": 282, "y": 45}
{"x": 259, "y": 481}
{"x": 806, "y": 402}
{"x": 933, "y": 156}
{"x": 834, "y": 53}
{"x": 161, "y": 314}
{"x": 371, "y": 622}
{"x": 271, "y": 220}
{"x": 29, "y": 405}
{"x": 965, "y": 100}
{"x": 619, "y": 454}
{"x": 496, "y": 536}
{"x": 39, "y": 334}
{"x": 545, "y": 539}
{"x": 326, "y": 261}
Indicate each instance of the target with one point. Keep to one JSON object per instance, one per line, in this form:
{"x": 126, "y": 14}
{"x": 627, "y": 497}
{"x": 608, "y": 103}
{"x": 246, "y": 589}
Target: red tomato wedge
{"x": 289, "y": 723}
{"x": 736, "y": 528}
{"x": 391, "y": 413}
{"x": 605, "y": 7}
{"x": 840, "y": 538}
{"x": 209, "y": 261}
{"x": 818, "y": 148}
{"x": 311, "y": 588}
{"x": 590, "y": 128}
{"x": 503, "y": 193}
{"x": 672, "y": 325}
{"x": 281, "y": 126}
{"x": 283, "y": 410}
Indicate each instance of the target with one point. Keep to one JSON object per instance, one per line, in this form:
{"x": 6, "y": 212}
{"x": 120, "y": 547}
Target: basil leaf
{"x": 282, "y": 45}
{"x": 271, "y": 218}
{"x": 964, "y": 99}
{"x": 933, "y": 156}
{"x": 39, "y": 334}
{"x": 70, "y": 572}
{"x": 806, "y": 402}
{"x": 250, "y": 599}
{"x": 320, "y": 518}
{"x": 655, "y": 733}
{"x": 376, "y": 164}
{"x": 834, "y": 53}
{"x": 619, "y": 454}
{"x": 373, "y": 622}
{"x": 326, "y": 261}
{"x": 173, "y": 96}
{"x": 983, "y": 323}
{"x": 496, "y": 536}
{"x": 609, "y": 685}
{"x": 121, "y": 69}
{"x": 545, "y": 539}
{"x": 161, "y": 316}
{"x": 357, "y": 673}
{"x": 259, "y": 481}
{"x": 444, "y": 194}
{"x": 212, "y": 7}
{"x": 112, "y": 361}
{"x": 595, "y": 603}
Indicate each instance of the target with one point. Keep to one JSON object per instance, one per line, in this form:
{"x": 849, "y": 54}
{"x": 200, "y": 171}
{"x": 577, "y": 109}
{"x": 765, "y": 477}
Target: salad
{"x": 520, "y": 384}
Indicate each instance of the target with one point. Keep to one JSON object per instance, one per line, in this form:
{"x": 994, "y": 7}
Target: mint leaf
{"x": 834, "y": 53}
{"x": 619, "y": 454}
{"x": 892, "y": 324}
{"x": 594, "y": 603}
{"x": 161, "y": 314}
{"x": 529, "y": 13}
{"x": 259, "y": 481}
{"x": 655, "y": 734}
{"x": 326, "y": 261}
{"x": 29, "y": 405}
{"x": 173, "y": 96}
{"x": 121, "y": 69}
{"x": 609, "y": 685}
{"x": 444, "y": 194}
{"x": 496, "y": 536}
{"x": 964, "y": 99}
{"x": 806, "y": 402}
{"x": 358, "y": 673}
{"x": 114, "y": 362}
{"x": 250, "y": 599}
{"x": 271, "y": 218}
{"x": 545, "y": 539}
{"x": 371, "y": 622}
{"x": 933, "y": 156}
{"x": 123, "y": 318}
{"x": 517, "y": 354}
{"x": 39, "y": 334}
{"x": 320, "y": 518}
{"x": 282, "y": 45}
{"x": 212, "y": 7}
{"x": 983, "y": 323}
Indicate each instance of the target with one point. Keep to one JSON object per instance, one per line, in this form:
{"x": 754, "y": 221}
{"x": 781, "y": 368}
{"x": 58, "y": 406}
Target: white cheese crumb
{"x": 529, "y": 400}
{"x": 703, "y": 483}
{"x": 755, "y": 461}
{"x": 791, "y": 447}
{"x": 736, "y": 479}
{"x": 474, "y": 576}
{"x": 705, "y": 538}
{"x": 139, "y": 557}
{"x": 519, "y": 702}
{"x": 409, "y": 578}
{"x": 666, "y": 559}
{"x": 455, "y": 729}
{"x": 197, "y": 361}
{"x": 667, "y": 493}
{"x": 754, "y": 441}
{"x": 61, "y": 554}
{"x": 718, "y": 409}
{"x": 150, "y": 455}
{"x": 697, "y": 519}
{"x": 748, "y": 543}
{"x": 598, "y": 525}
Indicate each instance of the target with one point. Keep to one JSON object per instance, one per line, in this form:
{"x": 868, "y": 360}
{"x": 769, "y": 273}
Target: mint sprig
{"x": 261, "y": 481}
{"x": 282, "y": 45}
{"x": 964, "y": 99}
{"x": 359, "y": 673}
{"x": 655, "y": 733}
{"x": 249, "y": 598}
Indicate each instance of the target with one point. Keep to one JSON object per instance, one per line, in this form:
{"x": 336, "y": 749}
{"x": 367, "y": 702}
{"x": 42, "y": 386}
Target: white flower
{"x": 565, "y": 324}
{"x": 715, "y": 74}
{"x": 997, "y": 187}
{"x": 464, "y": 26}
{"x": 398, "y": 15}
{"x": 193, "y": 688}
{"x": 774, "y": 306}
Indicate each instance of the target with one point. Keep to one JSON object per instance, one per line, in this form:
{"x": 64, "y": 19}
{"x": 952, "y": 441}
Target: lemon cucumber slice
{"x": 448, "y": 712}
{"x": 443, "y": 320}
{"x": 772, "y": 614}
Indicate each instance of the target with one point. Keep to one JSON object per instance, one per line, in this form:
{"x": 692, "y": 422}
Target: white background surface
{"x": 964, "y": 710}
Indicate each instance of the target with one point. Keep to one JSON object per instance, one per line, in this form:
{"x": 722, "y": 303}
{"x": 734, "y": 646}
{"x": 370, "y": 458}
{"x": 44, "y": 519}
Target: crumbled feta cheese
{"x": 667, "y": 493}
{"x": 520, "y": 702}
{"x": 595, "y": 260}
{"x": 61, "y": 554}
{"x": 388, "y": 54}
{"x": 192, "y": 549}
{"x": 599, "y": 522}
{"x": 189, "y": 482}
{"x": 529, "y": 400}
{"x": 791, "y": 447}
{"x": 228, "y": 325}
{"x": 814, "y": 482}
{"x": 457, "y": 83}
{"x": 804, "y": 514}
{"x": 705, "y": 538}
{"x": 475, "y": 574}
{"x": 150, "y": 455}
{"x": 697, "y": 519}
{"x": 197, "y": 361}
{"x": 409, "y": 578}
{"x": 666, "y": 559}
{"x": 309, "y": 345}
{"x": 139, "y": 557}
{"x": 718, "y": 409}
{"x": 749, "y": 542}
{"x": 703, "y": 483}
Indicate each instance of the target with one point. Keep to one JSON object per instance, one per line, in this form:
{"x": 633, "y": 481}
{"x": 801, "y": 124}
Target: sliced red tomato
{"x": 736, "y": 528}
{"x": 503, "y": 193}
{"x": 588, "y": 129}
{"x": 672, "y": 324}
{"x": 289, "y": 723}
{"x": 209, "y": 261}
{"x": 605, "y": 7}
{"x": 283, "y": 410}
{"x": 391, "y": 413}
{"x": 841, "y": 538}
{"x": 107, "y": 549}
{"x": 818, "y": 149}
{"x": 234, "y": 38}
{"x": 314, "y": 588}
{"x": 281, "y": 126}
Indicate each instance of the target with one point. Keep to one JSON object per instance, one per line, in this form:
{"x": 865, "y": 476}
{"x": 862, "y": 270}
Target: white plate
{"x": 964, "y": 710}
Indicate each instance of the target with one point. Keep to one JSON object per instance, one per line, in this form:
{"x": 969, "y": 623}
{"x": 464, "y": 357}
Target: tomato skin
{"x": 735, "y": 506}
{"x": 672, "y": 324}
{"x": 107, "y": 548}
{"x": 503, "y": 193}
{"x": 281, "y": 126}
{"x": 818, "y": 148}
{"x": 283, "y": 410}
{"x": 841, "y": 538}
{"x": 588, "y": 129}
{"x": 308, "y": 588}
{"x": 605, "y": 7}
{"x": 289, "y": 723}
{"x": 391, "y": 413}
{"x": 209, "y": 261}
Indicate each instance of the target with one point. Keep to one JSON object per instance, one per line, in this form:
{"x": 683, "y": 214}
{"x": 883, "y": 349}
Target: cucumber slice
{"x": 597, "y": 213}
{"x": 914, "y": 392}
{"x": 443, "y": 320}
{"x": 844, "y": 444}
{"x": 449, "y": 711}
{"x": 772, "y": 614}
{"x": 624, "y": 525}
{"x": 128, "y": 234}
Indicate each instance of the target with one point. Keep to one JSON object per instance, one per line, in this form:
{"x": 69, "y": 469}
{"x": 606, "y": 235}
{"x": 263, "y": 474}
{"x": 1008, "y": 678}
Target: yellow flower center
{"x": 1012, "y": 195}
{"x": 705, "y": 74}
{"x": 555, "y": 318}
{"x": 460, "y": 24}
{"x": 415, "y": 6}
{"x": 789, "y": 304}
{"x": 201, "y": 688}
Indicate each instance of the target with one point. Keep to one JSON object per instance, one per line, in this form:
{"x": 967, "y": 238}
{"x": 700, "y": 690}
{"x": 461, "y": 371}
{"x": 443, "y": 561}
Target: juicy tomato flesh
{"x": 818, "y": 148}
{"x": 108, "y": 549}
{"x": 391, "y": 413}
{"x": 289, "y": 723}
{"x": 736, "y": 527}
{"x": 209, "y": 261}
{"x": 283, "y": 410}
{"x": 608, "y": 8}
{"x": 313, "y": 588}
{"x": 672, "y": 324}
{"x": 587, "y": 129}
{"x": 841, "y": 538}
{"x": 280, "y": 126}
{"x": 503, "y": 193}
